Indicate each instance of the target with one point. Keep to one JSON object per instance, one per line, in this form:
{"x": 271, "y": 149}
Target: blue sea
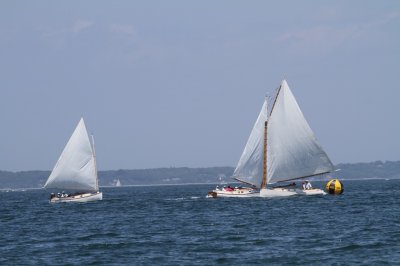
{"x": 178, "y": 225}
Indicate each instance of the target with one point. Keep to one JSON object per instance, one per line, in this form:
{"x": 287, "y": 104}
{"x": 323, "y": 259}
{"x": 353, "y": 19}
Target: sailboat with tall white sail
{"x": 291, "y": 150}
{"x": 249, "y": 168}
{"x": 281, "y": 148}
{"x": 74, "y": 176}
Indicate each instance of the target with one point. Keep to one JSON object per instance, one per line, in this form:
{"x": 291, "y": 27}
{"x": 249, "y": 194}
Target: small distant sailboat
{"x": 75, "y": 174}
{"x": 118, "y": 183}
{"x": 281, "y": 148}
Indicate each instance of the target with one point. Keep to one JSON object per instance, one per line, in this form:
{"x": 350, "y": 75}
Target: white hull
{"x": 236, "y": 193}
{"x": 285, "y": 192}
{"x": 266, "y": 193}
{"x": 79, "y": 198}
{"x": 277, "y": 192}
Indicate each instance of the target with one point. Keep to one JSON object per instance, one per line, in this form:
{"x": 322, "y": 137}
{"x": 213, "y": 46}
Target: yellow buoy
{"x": 334, "y": 187}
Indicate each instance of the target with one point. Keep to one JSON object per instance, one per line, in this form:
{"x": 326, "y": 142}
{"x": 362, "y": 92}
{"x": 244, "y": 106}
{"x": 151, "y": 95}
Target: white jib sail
{"x": 293, "y": 150}
{"x": 250, "y": 166}
{"x": 75, "y": 170}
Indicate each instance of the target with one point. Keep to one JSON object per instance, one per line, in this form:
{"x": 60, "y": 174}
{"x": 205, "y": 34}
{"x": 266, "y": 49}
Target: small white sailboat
{"x": 118, "y": 183}
{"x": 281, "y": 148}
{"x": 75, "y": 173}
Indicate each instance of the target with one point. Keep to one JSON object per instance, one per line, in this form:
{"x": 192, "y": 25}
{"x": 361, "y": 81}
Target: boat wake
{"x": 183, "y": 198}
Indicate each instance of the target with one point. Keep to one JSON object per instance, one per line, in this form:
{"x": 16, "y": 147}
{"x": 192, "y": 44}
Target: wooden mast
{"x": 264, "y": 180}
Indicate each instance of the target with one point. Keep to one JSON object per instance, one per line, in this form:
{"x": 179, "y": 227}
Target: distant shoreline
{"x": 194, "y": 176}
{"x": 187, "y": 184}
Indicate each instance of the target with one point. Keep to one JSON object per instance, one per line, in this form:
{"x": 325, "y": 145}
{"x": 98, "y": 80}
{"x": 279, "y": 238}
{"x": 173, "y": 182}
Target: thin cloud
{"x": 320, "y": 38}
{"x": 77, "y": 27}
{"x": 389, "y": 17}
{"x": 325, "y": 38}
{"x": 81, "y": 25}
{"x": 318, "y": 33}
{"x": 122, "y": 29}
{"x": 365, "y": 28}
{"x": 59, "y": 36}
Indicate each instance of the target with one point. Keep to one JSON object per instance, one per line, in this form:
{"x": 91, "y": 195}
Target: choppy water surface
{"x": 178, "y": 225}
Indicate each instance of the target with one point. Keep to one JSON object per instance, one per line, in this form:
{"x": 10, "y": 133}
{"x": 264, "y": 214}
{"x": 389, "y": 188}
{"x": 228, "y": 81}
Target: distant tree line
{"x": 182, "y": 175}
{"x": 185, "y": 175}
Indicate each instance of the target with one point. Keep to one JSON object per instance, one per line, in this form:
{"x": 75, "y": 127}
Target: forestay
{"x": 293, "y": 150}
{"x": 250, "y": 166}
{"x": 75, "y": 170}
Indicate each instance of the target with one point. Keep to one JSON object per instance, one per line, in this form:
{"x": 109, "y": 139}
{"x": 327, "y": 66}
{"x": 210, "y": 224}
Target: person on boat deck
{"x": 308, "y": 185}
{"x": 291, "y": 185}
{"x": 229, "y": 188}
{"x": 288, "y": 185}
{"x": 63, "y": 195}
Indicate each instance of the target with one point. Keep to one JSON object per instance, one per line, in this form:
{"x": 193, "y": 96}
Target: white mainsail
{"x": 250, "y": 166}
{"x": 293, "y": 150}
{"x": 75, "y": 170}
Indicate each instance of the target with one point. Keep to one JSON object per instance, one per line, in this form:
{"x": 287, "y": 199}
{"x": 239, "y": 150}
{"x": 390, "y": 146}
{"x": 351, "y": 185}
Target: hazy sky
{"x": 180, "y": 83}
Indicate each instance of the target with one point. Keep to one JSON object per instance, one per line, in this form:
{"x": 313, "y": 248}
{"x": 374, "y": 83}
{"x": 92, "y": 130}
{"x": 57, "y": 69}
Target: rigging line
{"x": 248, "y": 183}
{"x": 304, "y": 176}
{"x": 276, "y": 97}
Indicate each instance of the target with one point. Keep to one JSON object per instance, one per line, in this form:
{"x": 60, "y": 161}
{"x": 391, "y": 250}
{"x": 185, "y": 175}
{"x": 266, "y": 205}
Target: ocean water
{"x": 177, "y": 225}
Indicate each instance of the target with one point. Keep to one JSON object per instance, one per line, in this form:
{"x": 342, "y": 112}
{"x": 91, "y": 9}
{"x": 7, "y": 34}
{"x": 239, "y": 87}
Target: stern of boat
{"x": 212, "y": 194}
